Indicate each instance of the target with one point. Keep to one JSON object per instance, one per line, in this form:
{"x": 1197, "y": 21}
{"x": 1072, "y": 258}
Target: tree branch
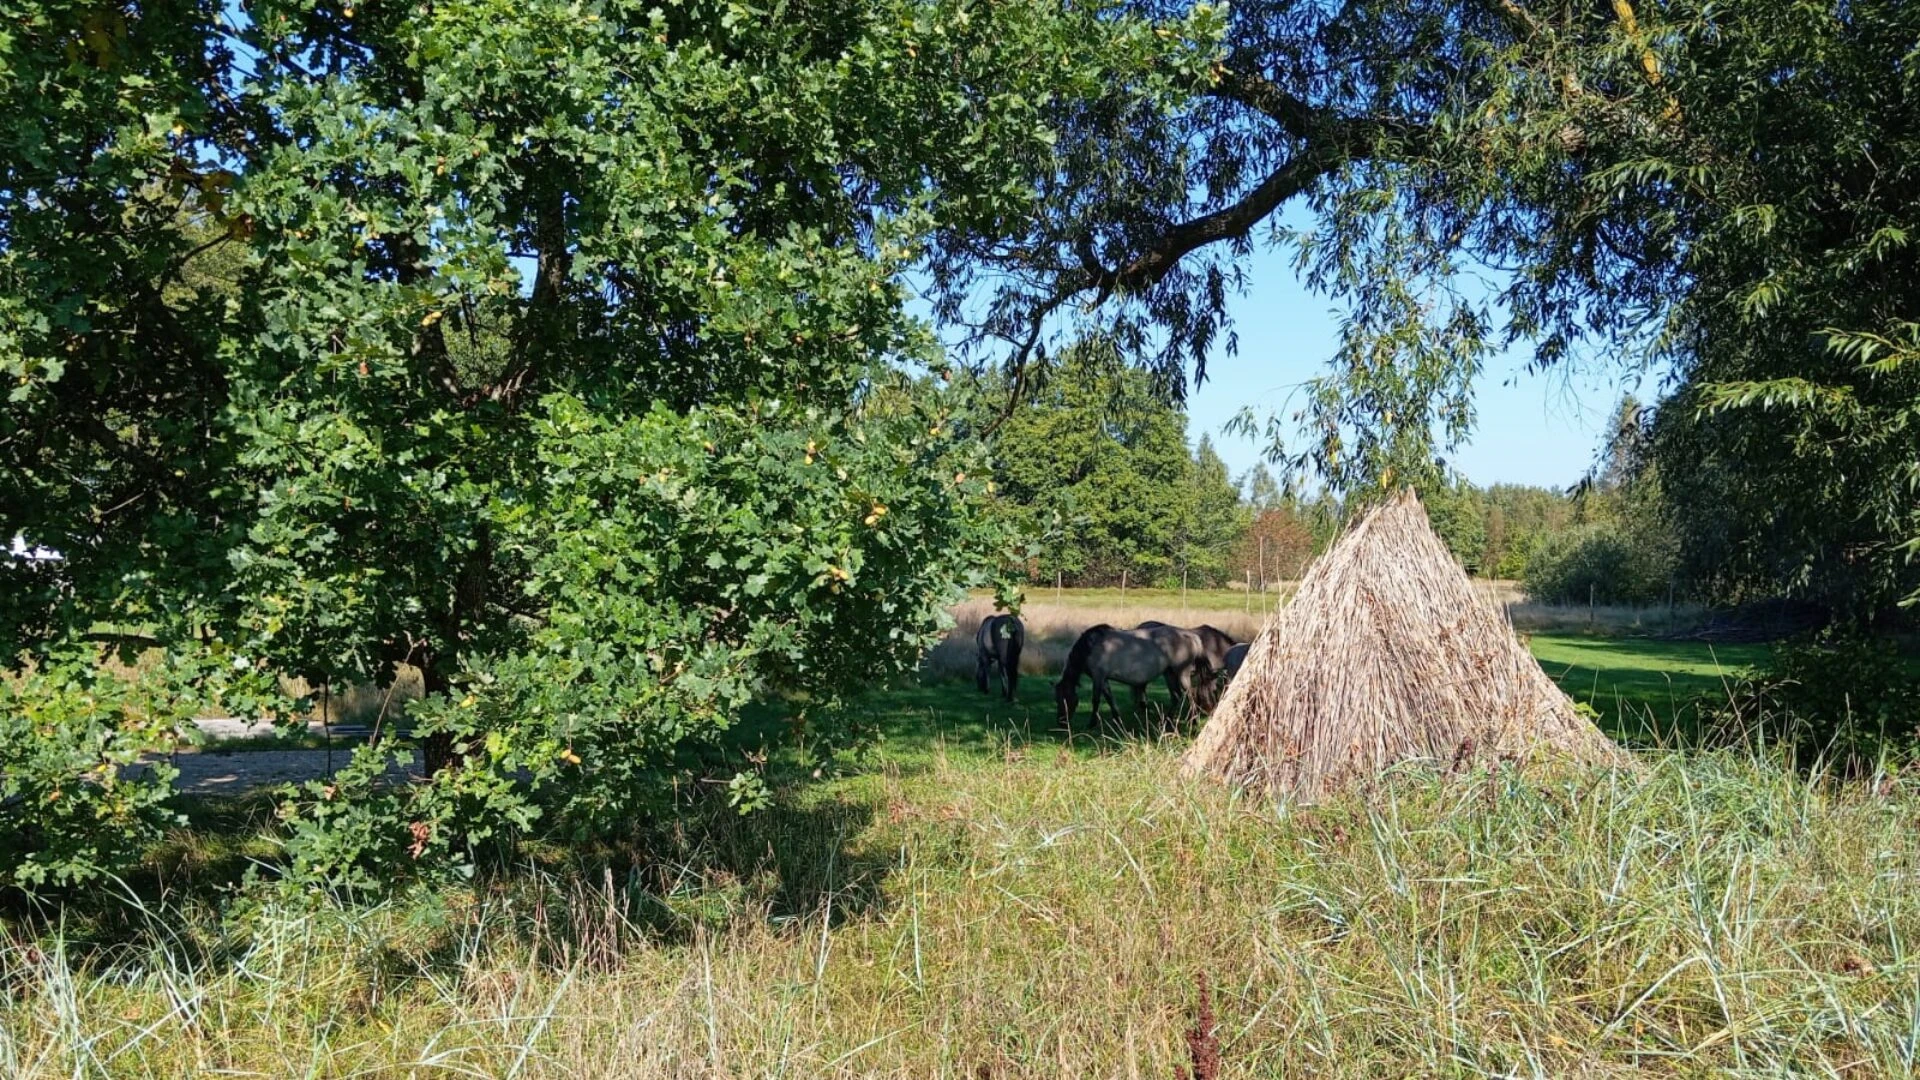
{"x": 1263, "y": 96}
{"x": 1227, "y": 223}
{"x": 541, "y": 328}
{"x": 1518, "y": 19}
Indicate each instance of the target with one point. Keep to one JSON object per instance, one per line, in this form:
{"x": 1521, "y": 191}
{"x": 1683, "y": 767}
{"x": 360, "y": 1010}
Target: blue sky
{"x": 1533, "y": 429}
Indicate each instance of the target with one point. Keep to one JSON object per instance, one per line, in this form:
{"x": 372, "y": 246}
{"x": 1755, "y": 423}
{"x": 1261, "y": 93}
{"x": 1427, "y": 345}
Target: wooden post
{"x": 326, "y": 721}
{"x": 1056, "y": 587}
{"x": 1123, "y": 586}
{"x": 1249, "y": 592}
{"x": 1263, "y": 573}
{"x": 1183, "y": 590}
{"x": 1590, "y": 605}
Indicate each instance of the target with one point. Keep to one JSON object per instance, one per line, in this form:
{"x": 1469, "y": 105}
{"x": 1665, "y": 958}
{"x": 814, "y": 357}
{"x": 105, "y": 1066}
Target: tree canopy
{"x": 567, "y": 361}
{"x": 1718, "y": 190}
{"x": 1096, "y": 466}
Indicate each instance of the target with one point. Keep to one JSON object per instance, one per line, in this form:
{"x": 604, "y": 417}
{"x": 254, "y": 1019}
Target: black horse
{"x": 998, "y": 641}
{"x": 1184, "y": 645}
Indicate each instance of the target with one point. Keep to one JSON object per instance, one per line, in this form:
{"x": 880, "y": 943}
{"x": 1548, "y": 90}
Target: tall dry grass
{"x": 360, "y": 703}
{"x": 1043, "y": 916}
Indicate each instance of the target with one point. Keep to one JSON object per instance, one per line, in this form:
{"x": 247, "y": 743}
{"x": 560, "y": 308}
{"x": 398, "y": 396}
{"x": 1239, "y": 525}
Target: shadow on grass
{"x": 199, "y": 866}
{"x": 918, "y": 720}
{"x": 791, "y": 866}
{"x": 795, "y": 860}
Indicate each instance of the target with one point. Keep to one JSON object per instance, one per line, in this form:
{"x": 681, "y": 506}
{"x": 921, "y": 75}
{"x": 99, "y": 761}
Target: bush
{"x": 70, "y": 729}
{"x": 1602, "y": 563}
{"x": 1846, "y": 699}
{"x": 686, "y": 563}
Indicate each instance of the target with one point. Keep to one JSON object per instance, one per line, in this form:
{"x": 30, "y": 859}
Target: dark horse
{"x": 1235, "y": 657}
{"x": 1133, "y": 657}
{"x": 1185, "y": 644}
{"x": 998, "y": 642}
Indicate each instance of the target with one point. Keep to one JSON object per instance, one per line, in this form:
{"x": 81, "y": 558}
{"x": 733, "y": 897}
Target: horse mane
{"x": 1082, "y": 648}
{"x": 1205, "y": 630}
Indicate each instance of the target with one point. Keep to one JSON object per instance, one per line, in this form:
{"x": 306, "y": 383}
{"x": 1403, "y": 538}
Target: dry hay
{"x": 1386, "y": 655}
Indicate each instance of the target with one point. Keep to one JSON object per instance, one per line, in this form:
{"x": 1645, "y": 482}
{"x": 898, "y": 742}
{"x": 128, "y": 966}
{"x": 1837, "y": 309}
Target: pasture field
{"x": 1201, "y": 605}
{"x": 980, "y": 897}
{"x": 1647, "y": 691}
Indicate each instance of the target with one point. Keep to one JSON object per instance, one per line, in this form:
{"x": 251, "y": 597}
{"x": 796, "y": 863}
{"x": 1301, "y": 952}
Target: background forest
{"x": 1098, "y": 470}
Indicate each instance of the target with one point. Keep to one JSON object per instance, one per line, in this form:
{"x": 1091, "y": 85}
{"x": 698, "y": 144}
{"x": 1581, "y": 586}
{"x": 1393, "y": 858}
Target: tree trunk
{"x": 438, "y": 665}
{"x": 436, "y": 750}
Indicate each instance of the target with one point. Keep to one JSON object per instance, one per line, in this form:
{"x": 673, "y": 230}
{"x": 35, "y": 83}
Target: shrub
{"x": 72, "y": 805}
{"x": 1845, "y": 698}
{"x": 1604, "y": 563}
{"x": 687, "y": 563}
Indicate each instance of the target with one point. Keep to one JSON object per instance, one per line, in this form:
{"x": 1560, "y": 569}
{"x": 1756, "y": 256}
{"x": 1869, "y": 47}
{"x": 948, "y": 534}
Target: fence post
{"x": 1183, "y": 590}
{"x": 326, "y": 720}
{"x": 1249, "y": 592}
{"x": 1590, "y": 605}
{"x": 1056, "y": 587}
{"x": 1123, "y": 586}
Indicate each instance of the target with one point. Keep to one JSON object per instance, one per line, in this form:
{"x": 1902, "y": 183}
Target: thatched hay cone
{"x": 1386, "y": 654}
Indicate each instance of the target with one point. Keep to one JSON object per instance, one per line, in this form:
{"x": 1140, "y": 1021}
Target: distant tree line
{"x": 1096, "y": 470}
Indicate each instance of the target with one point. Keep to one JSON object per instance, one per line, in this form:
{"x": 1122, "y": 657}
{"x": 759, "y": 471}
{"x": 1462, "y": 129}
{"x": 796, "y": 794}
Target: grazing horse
{"x": 1205, "y": 641}
{"x": 998, "y": 641}
{"x": 1235, "y": 657}
{"x": 1217, "y": 642}
{"x": 1107, "y": 655}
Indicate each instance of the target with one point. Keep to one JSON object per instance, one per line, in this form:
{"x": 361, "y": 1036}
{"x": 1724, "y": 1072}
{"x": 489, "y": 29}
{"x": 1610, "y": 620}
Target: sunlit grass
{"x": 1647, "y": 691}
{"x": 985, "y": 897}
{"x": 1020, "y": 909}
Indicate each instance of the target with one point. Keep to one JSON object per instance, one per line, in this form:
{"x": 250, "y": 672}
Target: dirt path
{"x": 213, "y": 773}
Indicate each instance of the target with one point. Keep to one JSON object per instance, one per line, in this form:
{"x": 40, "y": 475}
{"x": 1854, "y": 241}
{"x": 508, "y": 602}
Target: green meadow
{"x": 980, "y": 895}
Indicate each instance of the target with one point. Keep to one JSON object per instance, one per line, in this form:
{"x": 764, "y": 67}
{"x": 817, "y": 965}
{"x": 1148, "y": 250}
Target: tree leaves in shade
{"x": 568, "y": 362}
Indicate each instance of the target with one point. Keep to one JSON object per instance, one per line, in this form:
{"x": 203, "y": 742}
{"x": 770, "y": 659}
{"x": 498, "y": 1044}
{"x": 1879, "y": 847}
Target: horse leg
{"x": 980, "y": 665}
{"x": 1176, "y": 692}
{"x": 1193, "y": 695}
{"x": 1099, "y": 691}
{"x": 1010, "y": 669}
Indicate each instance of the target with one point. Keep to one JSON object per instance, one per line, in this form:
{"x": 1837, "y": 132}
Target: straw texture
{"x": 1386, "y": 654}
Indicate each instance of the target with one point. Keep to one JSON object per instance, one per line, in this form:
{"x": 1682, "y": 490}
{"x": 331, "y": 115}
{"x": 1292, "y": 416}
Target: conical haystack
{"x": 1386, "y": 654}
